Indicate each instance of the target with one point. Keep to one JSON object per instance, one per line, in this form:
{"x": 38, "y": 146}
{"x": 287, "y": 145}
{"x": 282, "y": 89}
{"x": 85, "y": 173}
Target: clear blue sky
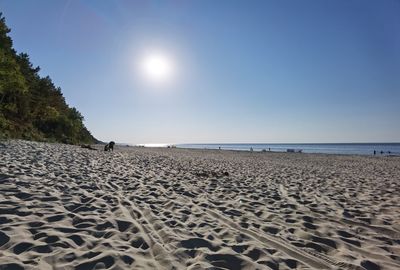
{"x": 246, "y": 71}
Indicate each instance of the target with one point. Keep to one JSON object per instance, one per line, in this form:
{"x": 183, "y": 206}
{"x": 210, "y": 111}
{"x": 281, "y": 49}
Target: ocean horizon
{"x": 323, "y": 148}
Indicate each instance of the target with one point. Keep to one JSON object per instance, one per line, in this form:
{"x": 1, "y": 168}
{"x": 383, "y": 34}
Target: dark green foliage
{"x": 32, "y": 107}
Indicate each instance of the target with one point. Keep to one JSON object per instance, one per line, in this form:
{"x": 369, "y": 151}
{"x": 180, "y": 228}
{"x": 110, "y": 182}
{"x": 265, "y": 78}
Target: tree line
{"x": 32, "y": 107}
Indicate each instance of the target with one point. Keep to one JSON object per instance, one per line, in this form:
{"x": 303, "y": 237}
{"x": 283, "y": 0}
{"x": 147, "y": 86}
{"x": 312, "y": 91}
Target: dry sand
{"x": 65, "y": 207}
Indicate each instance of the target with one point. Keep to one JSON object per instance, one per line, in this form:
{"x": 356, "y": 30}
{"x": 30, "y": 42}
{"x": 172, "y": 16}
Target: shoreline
{"x": 296, "y": 151}
{"x": 273, "y": 152}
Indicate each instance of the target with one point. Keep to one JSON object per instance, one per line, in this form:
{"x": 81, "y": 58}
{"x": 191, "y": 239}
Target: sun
{"x": 157, "y": 68}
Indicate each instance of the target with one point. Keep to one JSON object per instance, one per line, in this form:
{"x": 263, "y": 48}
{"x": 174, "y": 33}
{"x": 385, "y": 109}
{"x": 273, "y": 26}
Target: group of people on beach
{"x": 382, "y": 152}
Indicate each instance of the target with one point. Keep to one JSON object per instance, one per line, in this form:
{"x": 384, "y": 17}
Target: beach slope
{"x": 66, "y": 207}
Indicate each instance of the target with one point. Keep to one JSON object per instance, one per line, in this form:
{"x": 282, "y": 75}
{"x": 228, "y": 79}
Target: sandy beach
{"x": 66, "y": 207}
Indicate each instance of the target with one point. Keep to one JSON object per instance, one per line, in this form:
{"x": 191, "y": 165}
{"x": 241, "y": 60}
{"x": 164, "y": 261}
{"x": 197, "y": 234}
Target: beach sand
{"x": 65, "y": 207}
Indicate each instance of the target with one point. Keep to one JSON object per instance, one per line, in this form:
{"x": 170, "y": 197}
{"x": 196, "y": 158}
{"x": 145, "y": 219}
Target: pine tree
{"x": 32, "y": 107}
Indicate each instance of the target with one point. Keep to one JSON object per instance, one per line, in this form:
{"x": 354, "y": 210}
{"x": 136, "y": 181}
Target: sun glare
{"x": 157, "y": 68}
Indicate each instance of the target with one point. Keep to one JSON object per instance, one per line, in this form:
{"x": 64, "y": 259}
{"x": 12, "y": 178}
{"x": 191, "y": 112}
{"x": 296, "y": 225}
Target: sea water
{"x": 325, "y": 148}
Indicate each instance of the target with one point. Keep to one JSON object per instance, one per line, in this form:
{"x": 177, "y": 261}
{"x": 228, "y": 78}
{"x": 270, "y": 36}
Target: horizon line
{"x": 257, "y": 143}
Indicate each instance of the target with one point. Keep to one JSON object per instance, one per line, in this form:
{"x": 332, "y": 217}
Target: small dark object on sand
{"x": 109, "y": 146}
{"x": 88, "y": 146}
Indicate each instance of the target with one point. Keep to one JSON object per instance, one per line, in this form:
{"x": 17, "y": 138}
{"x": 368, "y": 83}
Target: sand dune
{"x": 65, "y": 207}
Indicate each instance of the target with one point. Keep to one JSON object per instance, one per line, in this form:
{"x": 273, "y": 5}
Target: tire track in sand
{"x": 342, "y": 222}
{"x": 313, "y": 260}
{"x": 287, "y": 248}
{"x": 163, "y": 259}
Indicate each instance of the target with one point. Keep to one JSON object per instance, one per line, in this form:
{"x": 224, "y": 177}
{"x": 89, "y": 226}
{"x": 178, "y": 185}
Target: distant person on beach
{"x": 109, "y": 146}
{"x": 374, "y": 152}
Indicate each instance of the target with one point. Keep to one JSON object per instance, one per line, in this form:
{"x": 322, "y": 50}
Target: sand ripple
{"x": 64, "y": 207}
